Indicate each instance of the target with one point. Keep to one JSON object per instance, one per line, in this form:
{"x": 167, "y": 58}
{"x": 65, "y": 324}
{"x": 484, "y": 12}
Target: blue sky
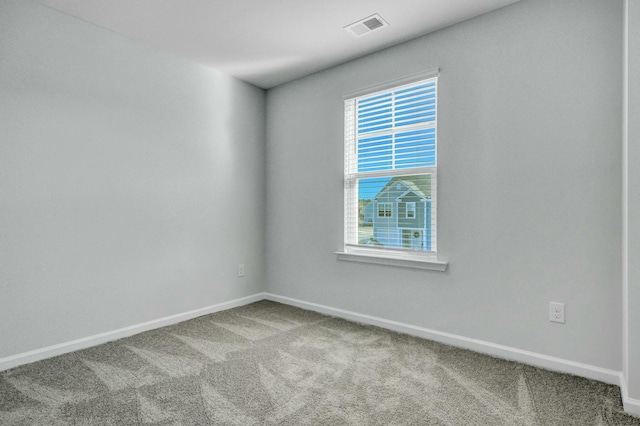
{"x": 369, "y": 188}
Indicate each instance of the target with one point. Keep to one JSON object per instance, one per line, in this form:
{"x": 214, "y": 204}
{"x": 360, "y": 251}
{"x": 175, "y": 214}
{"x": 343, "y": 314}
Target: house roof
{"x": 422, "y": 186}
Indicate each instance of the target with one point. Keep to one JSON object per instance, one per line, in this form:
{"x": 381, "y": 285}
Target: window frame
{"x": 397, "y": 256}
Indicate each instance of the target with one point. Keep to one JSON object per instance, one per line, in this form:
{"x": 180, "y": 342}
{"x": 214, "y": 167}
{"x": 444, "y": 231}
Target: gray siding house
{"x": 401, "y": 214}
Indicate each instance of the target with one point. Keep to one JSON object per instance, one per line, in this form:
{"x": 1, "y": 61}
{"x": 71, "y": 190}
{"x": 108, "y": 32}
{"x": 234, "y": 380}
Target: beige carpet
{"x": 268, "y": 363}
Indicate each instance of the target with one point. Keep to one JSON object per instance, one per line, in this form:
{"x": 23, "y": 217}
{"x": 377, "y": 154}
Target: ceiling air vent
{"x": 366, "y": 25}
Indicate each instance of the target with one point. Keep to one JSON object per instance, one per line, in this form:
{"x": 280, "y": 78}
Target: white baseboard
{"x": 87, "y": 342}
{"x": 631, "y": 406}
{"x": 493, "y": 349}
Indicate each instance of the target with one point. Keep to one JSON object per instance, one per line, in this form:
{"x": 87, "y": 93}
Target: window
{"x": 390, "y": 166}
{"x": 411, "y": 210}
{"x": 384, "y": 209}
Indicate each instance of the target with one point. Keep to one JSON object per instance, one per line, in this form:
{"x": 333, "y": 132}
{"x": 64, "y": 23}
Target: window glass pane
{"x": 415, "y": 149}
{"x": 395, "y": 212}
{"x": 375, "y": 153}
{"x": 415, "y": 105}
{"x": 375, "y": 113}
{"x": 384, "y": 139}
{"x": 368, "y": 189}
{"x": 411, "y": 210}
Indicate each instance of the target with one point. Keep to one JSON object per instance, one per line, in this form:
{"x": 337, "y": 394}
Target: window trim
{"x": 431, "y": 264}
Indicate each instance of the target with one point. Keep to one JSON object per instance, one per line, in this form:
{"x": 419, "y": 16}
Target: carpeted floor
{"x": 268, "y": 363}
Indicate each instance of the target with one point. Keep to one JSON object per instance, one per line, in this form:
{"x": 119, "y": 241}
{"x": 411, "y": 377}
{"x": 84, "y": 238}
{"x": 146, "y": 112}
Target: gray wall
{"x": 131, "y": 182}
{"x": 633, "y": 375}
{"x": 529, "y": 200}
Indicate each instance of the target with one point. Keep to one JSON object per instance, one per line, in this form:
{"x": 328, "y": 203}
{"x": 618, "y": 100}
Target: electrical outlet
{"x": 556, "y": 312}
{"x": 241, "y": 270}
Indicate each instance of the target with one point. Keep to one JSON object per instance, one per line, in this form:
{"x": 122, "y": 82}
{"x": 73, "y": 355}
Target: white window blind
{"x": 390, "y": 170}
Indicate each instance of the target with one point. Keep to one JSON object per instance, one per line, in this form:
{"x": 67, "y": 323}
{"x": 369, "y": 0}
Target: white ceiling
{"x": 270, "y": 42}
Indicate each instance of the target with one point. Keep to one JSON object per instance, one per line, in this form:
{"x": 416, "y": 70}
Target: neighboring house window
{"x": 384, "y": 209}
{"x": 411, "y": 210}
{"x": 390, "y": 165}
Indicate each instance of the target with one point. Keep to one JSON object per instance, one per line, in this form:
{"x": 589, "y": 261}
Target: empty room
{"x": 299, "y": 212}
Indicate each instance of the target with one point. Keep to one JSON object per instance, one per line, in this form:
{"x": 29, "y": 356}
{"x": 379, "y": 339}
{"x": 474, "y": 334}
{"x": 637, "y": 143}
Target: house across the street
{"x": 401, "y": 214}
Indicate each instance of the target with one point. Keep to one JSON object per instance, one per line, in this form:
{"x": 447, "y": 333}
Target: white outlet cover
{"x": 556, "y": 312}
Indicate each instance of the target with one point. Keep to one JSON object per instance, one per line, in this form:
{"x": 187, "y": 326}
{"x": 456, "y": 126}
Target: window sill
{"x": 431, "y": 265}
